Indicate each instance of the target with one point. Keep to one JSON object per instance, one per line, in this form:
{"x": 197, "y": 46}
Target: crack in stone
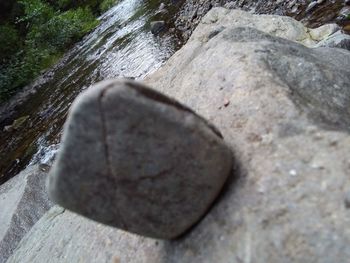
{"x": 106, "y": 148}
{"x": 149, "y": 177}
{"x": 159, "y": 97}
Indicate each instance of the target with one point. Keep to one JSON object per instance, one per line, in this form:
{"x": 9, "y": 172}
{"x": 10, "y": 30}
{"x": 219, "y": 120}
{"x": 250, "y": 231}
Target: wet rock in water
{"x": 23, "y": 200}
{"x": 162, "y": 9}
{"x": 137, "y": 160}
{"x": 343, "y": 17}
{"x": 311, "y": 6}
{"x": 157, "y": 27}
{"x": 16, "y": 124}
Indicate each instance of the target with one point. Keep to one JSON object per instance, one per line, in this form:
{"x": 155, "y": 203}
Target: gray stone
{"x": 287, "y": 203}
{"x": 137, "y": 160}
{"x": 280, "y": 26}
{"x": 157, "y": 27}
{"x": 86, "y": 240}
{"x": 338, "y": 40}
{"x": 23, "y": 200}
{"x": 311, "y": 6}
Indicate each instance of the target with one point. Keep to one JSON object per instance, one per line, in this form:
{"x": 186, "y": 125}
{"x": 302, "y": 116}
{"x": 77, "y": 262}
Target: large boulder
{"x": 280, "y": 26}
{"x": 284, "y": 109}
{"x": 338, "y": 39}
{"x": 124, "y": 146}
{"x": 52, "y": 240}
{"x": 23, "y": 200}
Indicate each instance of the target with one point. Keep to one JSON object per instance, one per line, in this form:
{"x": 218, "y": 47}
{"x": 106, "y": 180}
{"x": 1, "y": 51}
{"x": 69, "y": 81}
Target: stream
{"x": 121, "y": 46}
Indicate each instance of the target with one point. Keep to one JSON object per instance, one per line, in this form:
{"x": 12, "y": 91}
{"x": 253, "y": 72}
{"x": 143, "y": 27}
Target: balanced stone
{"x": 137, "y": 160}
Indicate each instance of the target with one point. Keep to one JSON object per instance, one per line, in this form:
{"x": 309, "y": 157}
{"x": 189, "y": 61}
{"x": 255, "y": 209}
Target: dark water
{"x": 122, "y": 46}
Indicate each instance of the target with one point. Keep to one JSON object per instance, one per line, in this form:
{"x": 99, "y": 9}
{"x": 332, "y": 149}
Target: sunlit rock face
{"x": 283, "y": 109}
{"x": 23, "y": 201}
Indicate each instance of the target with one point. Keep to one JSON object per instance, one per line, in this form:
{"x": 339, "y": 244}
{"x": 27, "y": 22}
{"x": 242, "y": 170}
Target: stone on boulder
{"x": 23, "y": 200}
{"x": 137, "y": 160}
{"x": 287, "y": 122}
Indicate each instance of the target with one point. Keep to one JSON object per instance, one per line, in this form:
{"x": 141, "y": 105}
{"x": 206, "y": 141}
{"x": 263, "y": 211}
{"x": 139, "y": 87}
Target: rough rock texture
{"x": 338, "y": 39}
{"x": 282, "y": 26}
{"x": 287, "y": 120}
{"x": 89, "y": 242}
{"x": 127, "y": 146}
{"x": 23, "y": 200}
{"x": 193, "y": 11}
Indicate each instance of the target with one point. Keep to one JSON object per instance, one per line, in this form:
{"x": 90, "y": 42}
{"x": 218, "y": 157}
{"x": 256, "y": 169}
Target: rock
{"x": 338, "y": 39}
{"x": 229, "y": 5}
{"x": 345, "y": 11}
{"x": 288, "y": 125}
{"x": 343, "y": 17}
{"x": 16, "y": 124}
{"x": 311, "y": 6}
{"x": 144, "y": 151}
{"x": 280, "y": 26}
{"x": 157, "y": 27}
{"x": 8, "y": 128}
{"x": 293, "y": 8}
{"x": 96, "y": 240}
{"x": 23, "y": 201}
{"x": 322, "y": 32}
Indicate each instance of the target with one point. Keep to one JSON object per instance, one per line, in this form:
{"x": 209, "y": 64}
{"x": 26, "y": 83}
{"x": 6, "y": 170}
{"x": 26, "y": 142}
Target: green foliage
{"x": 39, "y": 35}
{"x": 63, "y": 29}
{"x": 107, "y": 4}
{"x": 36, "y": 11}
{"x": 9, "y": 41}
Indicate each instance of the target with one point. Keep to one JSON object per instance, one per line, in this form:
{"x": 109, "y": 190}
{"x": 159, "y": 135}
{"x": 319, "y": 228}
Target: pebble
{"x": 137, "y": 160}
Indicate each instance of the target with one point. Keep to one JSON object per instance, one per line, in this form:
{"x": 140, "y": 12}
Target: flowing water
{"x": 121, "y": 46}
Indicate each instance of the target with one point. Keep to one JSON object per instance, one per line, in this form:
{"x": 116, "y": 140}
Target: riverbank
{"x": 35, "y": 34}
{"x": 281, "y": 104}
{"x": 321, "y": 13}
